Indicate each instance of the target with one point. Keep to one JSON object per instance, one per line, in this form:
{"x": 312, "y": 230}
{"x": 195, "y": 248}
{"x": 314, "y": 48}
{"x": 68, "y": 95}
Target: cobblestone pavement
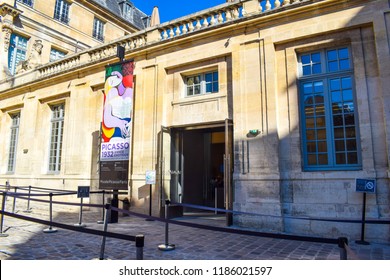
{"x": 27, "y": 241}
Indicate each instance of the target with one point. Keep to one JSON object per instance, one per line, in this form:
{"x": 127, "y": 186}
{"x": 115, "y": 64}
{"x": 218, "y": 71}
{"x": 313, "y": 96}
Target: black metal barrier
{"x": 342, "y": 242}
{"x": 138, "y": 239}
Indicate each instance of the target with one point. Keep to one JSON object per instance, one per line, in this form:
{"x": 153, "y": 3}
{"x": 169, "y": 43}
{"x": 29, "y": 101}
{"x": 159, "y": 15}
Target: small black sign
{"x": 82, "y": 192}
{"x": 366, "y": 185}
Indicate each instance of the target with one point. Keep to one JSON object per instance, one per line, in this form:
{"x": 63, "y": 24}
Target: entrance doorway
{"x": 201, "y": 166}
{"x": 203, "y": 152}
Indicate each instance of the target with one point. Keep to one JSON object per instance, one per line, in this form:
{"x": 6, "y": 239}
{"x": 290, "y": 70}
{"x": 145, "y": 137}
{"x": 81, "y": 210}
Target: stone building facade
{"x": 266, "y": 107}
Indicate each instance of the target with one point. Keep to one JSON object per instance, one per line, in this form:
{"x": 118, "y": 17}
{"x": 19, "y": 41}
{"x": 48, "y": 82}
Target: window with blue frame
{"x": 203, "y": 83}
{"x": 17, "y": 51}
{"x": 328, "y": 111}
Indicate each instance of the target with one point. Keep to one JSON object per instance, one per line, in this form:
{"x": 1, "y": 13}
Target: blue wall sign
{"x": 366, "y": 185}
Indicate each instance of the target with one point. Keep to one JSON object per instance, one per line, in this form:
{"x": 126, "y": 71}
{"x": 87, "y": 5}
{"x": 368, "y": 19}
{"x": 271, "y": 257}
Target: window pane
{"x": 197, "y": 89}
{"x": 343, "y": 53}
{"x": 310, "y": 134}
{"x": 338, "y": 120}
{"x": 312, "y": 159}
{"x": 323, "y": 159}
{"x": 209, "y": 77}
{"x": 318, "y": 86}
{"x": 322, "y": 147}
{"x": 316, "y": 69}
{"x": 307, "y": 88}
{"x": 350, "y": 132}
{"x": 340, "y": 145}
{"x": 344, "y": 64}
{"x": 339, "y": 133}
{"x": 321, "y": 122}
{"x": 336, "y": 96}
{"x": 332, "y": 55}
{"x": 351, "y": 145}
{"x": 309, "y": 123}
{"x": 311, "y": 147}
{"x": 346, "y": 83}
{"x": 347, "y": 95}
{"x": 320, "y": 111}
{"x": 340, "y": 158}
{"x": 333, "y": 66}
{"x": 209, "y": 87}
{"x": 334, "y": 84}
{"x": 316, "y": 58}
{"x": 215, "y": 87}
{"x": 321, "y": 134}
{"x": 305, "y": 59}
{"x": 307, "y": 70}
{"x": 352, "y": 158}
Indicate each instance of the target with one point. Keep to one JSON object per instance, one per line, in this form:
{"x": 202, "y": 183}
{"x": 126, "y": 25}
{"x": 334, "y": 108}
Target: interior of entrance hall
{"x": 200, "y": 159}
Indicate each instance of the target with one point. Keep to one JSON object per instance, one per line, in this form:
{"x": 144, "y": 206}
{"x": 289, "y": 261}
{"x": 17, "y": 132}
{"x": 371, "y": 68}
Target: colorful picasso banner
{"x": 117, "y": 112}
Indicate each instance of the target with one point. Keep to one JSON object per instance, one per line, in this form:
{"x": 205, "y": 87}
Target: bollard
{"x": 107, "y": 208}
{"x": 14, "y": 203}
{"x": 28, "y": 209}
{"x": 216, "y": 200}
{"x": 50, "y": 229}
{"x": 80, "y": 223}
{"x": 166, "y": 246}
{"x": 139, "y": 244}
{"x": 343, "y": 251}
{"x": 2, "y": 215}
{"x": 102, "y": 221}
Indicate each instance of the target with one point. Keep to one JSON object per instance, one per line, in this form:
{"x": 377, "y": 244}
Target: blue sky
{"x": 172, "y": 9}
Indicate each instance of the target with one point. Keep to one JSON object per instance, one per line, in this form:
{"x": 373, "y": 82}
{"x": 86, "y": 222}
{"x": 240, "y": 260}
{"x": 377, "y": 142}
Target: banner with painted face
{"x": 117, "y": 112}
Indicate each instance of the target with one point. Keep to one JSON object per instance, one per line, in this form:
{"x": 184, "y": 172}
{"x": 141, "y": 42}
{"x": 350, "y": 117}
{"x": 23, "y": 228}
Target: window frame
{"x": 13, "y": 144}
{"x": 56, "y": 137}
{"x": 98, "y": 29}
{"x": 29, "y": 3}
{"x": 58, "y": 54}
{"x": 62, "y": 11}
{"x": 19, "y": 47}
{"x": 327, "y": 76}
{"x": 202, "y": 84}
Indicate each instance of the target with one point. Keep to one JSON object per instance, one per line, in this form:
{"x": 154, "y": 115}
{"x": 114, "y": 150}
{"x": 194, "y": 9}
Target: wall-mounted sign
{"x": 366, "y": 185}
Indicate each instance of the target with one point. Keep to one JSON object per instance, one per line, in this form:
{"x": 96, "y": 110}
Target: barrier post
{"x": 28, "y": 209}
{"x": 139, "y": 244}
{"x": 216, "y": 200}
{"x": 80, "y": 223}
{"x": 103, "y": 203}
{"x": 343, "y": 241}
{"x": 102, "y": 248}
{"x": 166, "y": 246}
{"x": 50, "y": 229}
{"x": 2, "y": 215}
{"x": 14, "y": 203}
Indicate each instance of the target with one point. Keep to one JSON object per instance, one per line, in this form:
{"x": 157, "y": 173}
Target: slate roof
{"x": 114, "y": 7}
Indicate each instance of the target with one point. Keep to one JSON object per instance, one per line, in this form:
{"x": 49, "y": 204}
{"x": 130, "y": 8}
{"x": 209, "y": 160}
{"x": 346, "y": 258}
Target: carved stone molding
{"x": 7, "y": 31}
{"x": 6, "y": 9}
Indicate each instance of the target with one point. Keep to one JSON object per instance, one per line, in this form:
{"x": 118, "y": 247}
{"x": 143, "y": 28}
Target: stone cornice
{"x": 6, "y": 9}
{"x": 218, "y": 19}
